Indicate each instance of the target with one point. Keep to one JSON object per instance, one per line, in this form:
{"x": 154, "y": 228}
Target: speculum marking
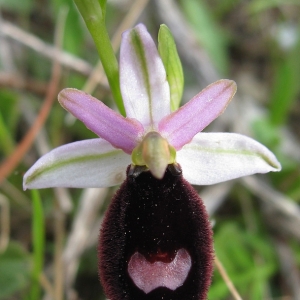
{"x": 148, "y": 276}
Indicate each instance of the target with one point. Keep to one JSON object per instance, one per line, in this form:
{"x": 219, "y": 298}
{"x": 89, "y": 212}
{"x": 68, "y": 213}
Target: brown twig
{"x": 64, "y": 58}
{"x": 15, "y": 81}
{"x": 5, "y": 51}
{"x": 227, "y": 280}
{"x": 46, "y": 285}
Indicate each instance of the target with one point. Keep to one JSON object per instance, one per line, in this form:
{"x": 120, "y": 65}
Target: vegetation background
{"x": 48, "y": 238}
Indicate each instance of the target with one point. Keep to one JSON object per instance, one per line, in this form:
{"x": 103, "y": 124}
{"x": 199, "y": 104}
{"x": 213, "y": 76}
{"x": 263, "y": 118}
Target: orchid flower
{"x": 150, "y": 135}
{"x": 156, "y": 238}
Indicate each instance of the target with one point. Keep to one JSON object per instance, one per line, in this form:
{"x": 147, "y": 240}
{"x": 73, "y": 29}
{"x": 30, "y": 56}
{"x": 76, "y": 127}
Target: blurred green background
{"x": 48, "y": 238}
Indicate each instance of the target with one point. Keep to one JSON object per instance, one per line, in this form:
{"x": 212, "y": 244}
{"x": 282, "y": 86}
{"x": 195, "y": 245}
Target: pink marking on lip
{"x": 148, "y": 276}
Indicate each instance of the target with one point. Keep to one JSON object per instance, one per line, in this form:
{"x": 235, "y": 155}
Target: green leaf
{"x": 9, "y": 116}
{"x": 9, "y": 108}
{"x": 22, "y": 7}
{"x": 285, "y": 88}
{"x": 14, "y": 270}
{"x": 168, "y": 53}
{"x": 266, "y": 132}
{"x": 6, "y": 141}
{"x": 259, "y": 6}
{"x": 294, "y": 188}
{"x": 236, "y": 249}
{"x": 73, "y": 37}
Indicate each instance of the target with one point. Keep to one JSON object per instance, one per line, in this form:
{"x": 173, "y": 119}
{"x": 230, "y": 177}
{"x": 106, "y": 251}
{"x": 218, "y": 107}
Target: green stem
{"x": 94, "y": 17}
{"x": 6, "y": 140}
{"x": 109, "y": 62}
{"x": 38, "y": 241}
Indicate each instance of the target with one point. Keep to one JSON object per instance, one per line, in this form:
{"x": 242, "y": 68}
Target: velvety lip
{"x": 148, "y": 276}
{"x": 159, "y": 223}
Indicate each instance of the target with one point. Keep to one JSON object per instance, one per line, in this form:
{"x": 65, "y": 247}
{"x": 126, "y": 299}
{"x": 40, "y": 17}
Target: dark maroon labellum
{"x": 156, "y": 241}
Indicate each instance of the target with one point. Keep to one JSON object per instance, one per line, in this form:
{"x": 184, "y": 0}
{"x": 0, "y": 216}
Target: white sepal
{"x": 88, "y": 163}
{"x": 215, "y": 157}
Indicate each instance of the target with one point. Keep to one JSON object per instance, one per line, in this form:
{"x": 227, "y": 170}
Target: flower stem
{"x": 38, "y": 236}
{"x": 94, "y": 16}
{"x": 110, "y": 64}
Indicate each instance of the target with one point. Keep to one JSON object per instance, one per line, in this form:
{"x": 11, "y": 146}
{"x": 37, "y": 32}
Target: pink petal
{"x": 144, "y": 86}
{"x": 121, "y": 132}
{"x": 181, "y": 126}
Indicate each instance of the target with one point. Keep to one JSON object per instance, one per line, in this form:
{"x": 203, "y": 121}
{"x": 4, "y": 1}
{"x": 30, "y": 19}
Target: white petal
{"x": 89, "y": 163}
{"x": 215, "y": 157}
{"x": 144, "y": 85}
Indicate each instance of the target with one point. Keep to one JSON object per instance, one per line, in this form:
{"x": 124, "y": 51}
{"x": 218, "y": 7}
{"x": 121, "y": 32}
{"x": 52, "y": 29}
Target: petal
{"x": 181, "y": 126}
{"x": 144, "y": 86}
{"x": 121, "y": 132}
{"x": 215, "y": 157}
{"x": 89, "y": 163}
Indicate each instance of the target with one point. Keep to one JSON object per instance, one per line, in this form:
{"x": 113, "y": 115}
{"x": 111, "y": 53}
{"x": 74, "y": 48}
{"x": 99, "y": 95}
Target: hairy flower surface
{"x": 156, "y": 241}
{"x": 150, "y": 135}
